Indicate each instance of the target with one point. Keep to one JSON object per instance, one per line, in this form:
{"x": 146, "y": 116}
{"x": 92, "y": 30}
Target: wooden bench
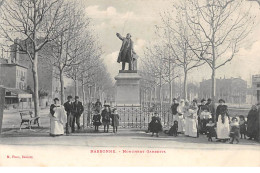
{"x": 27, "y": 117}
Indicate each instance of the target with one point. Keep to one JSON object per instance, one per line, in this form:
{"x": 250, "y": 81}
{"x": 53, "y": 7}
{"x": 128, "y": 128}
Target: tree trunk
{"x": 36, "y": 87}
{"x": 95, "y": 91}
{"x": 61, "y": 87}
{"x": 155, "y": 96}
{"x": 160, "y": 96}
{"x": 151, "y": 93}
{"x": 170, "y": 90}
{"x": 89, "y": 94}
{"x": 185, "y": 85}
{"x": 76, "y": 87}
{"x": 213, "y": 85}
{"x": 83, "y": 102}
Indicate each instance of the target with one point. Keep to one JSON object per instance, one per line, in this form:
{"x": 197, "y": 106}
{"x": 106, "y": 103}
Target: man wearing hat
{"x": 69, "y": 109}
{"x": 77, "y": 111}
{"x": 211, "y": 107}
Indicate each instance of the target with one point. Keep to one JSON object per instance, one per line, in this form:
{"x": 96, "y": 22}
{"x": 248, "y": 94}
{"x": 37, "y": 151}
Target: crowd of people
{"x": 189, "y": 118}
{"x": 65, "y": 115}
{"x": 69, "y": 114}
{"x": 193, "y": 119}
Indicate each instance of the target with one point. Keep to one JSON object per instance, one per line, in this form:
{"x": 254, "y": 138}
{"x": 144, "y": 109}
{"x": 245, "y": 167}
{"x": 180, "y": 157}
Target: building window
{"x": 258, "y": 85}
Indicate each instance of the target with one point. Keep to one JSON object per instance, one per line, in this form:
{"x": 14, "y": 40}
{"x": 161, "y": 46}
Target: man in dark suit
{"x": 77, "y": 111}
{"x": 69, "y": 109}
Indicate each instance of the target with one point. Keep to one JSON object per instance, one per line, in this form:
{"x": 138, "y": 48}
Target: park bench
{"x": 27, "y": 117}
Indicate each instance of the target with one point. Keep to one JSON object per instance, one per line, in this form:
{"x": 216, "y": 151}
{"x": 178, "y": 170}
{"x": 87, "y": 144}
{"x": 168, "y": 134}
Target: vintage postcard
{"x": 130, "y": 83}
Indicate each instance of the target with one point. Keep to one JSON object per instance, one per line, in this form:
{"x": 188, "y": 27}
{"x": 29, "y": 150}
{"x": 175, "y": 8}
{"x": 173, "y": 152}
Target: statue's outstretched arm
{"x": 119, "y": 36}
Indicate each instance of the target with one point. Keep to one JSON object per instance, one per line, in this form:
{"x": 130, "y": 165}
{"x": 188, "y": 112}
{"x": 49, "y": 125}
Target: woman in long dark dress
{"x": 222, "y": 118}
{"x": 252, "y": 123}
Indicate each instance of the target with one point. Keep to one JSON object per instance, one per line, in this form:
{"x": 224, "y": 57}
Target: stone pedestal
{"x": 128, "y": 88}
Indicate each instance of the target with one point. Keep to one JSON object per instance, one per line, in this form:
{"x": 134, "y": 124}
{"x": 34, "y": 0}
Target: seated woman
{"x": 155, "y": 125}
{"x": 58, "y": 118}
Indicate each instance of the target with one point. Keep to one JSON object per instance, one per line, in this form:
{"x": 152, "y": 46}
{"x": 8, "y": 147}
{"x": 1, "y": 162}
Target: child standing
{"x": 210, "y": 128}
{"x": 242, "y": 126}
{"x": 115, "y": 120}
{"x": 155, "y": 126}
{"x": 234, "y": 132}
{"x": 96, "y": 119}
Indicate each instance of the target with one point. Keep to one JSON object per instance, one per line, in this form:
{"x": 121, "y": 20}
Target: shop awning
{"x": 16, "y": 93}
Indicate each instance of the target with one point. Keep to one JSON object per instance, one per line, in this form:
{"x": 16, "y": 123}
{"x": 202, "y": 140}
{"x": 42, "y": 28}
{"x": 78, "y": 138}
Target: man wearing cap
{"x": 77, "y": 111}
{"x": 69, "y": 109}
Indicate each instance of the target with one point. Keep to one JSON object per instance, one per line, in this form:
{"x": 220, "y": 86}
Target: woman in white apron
{"x": 223, "y": 120}
{"x": 180, "y": 118}
{"x": 58, "y": 118}
{"x": 191, "y": 125}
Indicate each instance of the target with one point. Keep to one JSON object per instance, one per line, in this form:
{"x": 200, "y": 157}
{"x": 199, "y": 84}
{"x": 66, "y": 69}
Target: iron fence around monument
{"x": 132, "y": 116}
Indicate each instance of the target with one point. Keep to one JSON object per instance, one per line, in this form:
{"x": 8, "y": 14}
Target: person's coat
{"x": 252, "y": 122}
{"x": 126, "y": 50}
{"x": 77, "y": 108}
{"x": 68, "y": 107}
{"x": 115, "y": 120}
{"x": 223, "y": 111}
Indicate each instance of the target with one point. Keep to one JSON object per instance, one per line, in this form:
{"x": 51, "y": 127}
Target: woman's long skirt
{"x": 223, "y": 129}
{"x": 181, "y": 123}
{"x": 191, "y": 127}
{"x": 56, "y": 128}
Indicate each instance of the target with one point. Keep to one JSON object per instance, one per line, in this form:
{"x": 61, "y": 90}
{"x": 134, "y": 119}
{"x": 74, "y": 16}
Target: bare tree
{"x": 81, "y": 50}
{"x": 218, "y": 28}
{"x": 34, "y": 22}
{"x": 179, "y": 38}
{"x": 64, "y": 52}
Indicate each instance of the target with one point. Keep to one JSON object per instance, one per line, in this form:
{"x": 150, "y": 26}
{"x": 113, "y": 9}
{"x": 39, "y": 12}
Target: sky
{"x": 139, "y": 18}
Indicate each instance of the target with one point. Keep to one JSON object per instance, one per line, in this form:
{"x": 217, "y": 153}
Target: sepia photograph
{"x": 129, "y": 83}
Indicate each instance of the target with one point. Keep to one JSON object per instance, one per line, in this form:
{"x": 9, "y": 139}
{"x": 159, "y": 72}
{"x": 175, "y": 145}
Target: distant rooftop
{"x": 6, "y": 64}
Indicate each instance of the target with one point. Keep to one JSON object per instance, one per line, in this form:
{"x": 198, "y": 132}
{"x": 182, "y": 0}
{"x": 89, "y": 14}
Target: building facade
{"x": 256, "y": 88}
{"x": 233, "y": 90}
{"x": 49, "y": 85}
{"x": 13, "y": 76}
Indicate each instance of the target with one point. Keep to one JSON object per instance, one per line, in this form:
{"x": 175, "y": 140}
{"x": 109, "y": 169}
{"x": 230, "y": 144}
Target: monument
{"x": 127, "y": 81}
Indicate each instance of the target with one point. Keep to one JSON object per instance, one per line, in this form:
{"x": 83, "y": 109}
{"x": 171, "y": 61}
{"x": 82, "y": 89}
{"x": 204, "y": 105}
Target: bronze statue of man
{"x": 126, "y": 54}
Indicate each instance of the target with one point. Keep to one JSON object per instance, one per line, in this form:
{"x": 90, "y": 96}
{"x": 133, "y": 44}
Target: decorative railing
{"x": 138, "y": 116}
